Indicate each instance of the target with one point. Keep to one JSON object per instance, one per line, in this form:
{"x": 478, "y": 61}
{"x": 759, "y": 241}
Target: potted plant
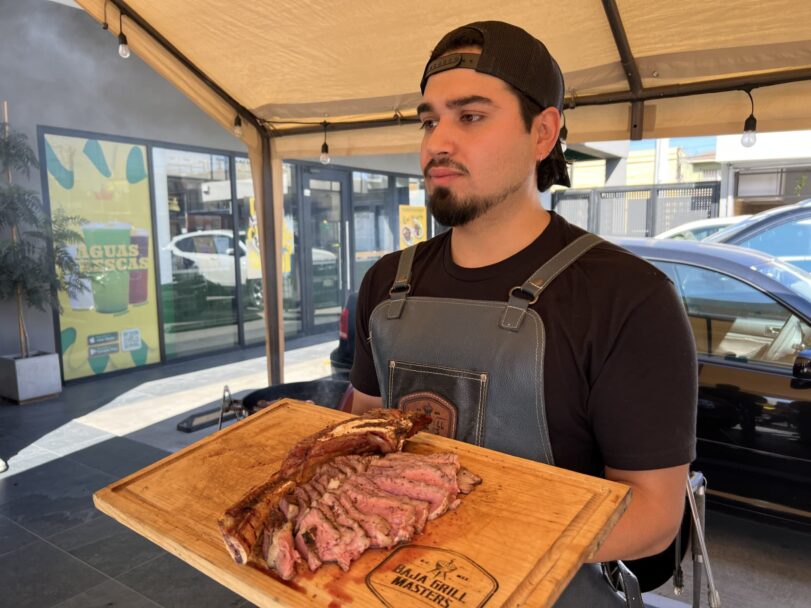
{"x": 35, "y": 266}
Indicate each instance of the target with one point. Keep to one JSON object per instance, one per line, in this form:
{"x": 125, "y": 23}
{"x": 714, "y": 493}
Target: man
{"x": 583, "y": 359}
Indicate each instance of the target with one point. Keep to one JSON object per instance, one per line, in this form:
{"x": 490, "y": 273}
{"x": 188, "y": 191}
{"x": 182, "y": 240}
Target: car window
{"x": 204, "y": 243}
{"x": 702, "y": 233}
{"x": 223, "y": 243}
{"x": 733, "y": 320}
{"x": 186, "y": 245}
{"x": 788, "y": 239}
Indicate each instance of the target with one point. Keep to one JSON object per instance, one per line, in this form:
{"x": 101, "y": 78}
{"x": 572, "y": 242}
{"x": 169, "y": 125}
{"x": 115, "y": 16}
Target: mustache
{"x": 444, "y": 162}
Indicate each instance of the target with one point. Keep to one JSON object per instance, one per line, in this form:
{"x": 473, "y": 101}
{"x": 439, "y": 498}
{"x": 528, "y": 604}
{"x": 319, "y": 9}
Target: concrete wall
{"x": 58, "y": 68}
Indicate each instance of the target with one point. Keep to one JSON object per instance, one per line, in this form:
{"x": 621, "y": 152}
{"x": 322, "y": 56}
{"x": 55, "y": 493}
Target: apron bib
{"x": 477, "y": 368}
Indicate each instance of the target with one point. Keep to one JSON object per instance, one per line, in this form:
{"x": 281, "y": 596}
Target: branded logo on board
{"x": 443, "y": 413}
{"x": 415, "y": 575}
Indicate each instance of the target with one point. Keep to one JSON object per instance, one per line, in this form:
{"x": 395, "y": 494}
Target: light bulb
{"x": 123, "y": 48}
{"x": 238, "y": 127}
{"x": 324, "y": 157}
{"x": 749, "y": 137}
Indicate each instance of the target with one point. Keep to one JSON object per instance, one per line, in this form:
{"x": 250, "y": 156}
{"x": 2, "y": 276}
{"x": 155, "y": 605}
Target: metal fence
{"x": 638, "y": 210}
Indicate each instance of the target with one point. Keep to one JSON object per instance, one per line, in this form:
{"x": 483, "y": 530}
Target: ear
{"x": 545, "y": 130}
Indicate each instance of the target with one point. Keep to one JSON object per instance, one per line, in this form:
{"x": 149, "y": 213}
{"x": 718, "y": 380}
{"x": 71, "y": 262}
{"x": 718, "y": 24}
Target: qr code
{"x": 130, "y": 339}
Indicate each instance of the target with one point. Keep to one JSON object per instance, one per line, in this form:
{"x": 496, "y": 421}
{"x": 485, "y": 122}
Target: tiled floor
{"x": 56, "y": 548}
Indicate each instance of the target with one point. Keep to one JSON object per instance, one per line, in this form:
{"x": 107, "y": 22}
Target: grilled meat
{"x": 333, "y": 499}
{"x": 377, "y": 431}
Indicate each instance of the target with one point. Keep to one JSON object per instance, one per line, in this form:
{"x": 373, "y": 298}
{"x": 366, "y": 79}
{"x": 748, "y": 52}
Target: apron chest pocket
{"x": 455, "y": 398}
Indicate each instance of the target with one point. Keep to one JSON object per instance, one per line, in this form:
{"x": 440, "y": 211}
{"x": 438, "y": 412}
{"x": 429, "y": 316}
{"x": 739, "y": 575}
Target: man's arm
{"x": 361, "y": 402}
{"x": 653, "y": 517}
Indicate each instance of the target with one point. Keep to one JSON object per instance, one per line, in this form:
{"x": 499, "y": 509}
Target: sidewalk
{"x": 56, "y": 549}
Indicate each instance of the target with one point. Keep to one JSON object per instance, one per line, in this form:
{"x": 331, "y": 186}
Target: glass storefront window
{"x": 206, "y": 246}
{"x": 410, "y": 191}
{"x": 196, "y": 249}
{"x": 374, "y": 236}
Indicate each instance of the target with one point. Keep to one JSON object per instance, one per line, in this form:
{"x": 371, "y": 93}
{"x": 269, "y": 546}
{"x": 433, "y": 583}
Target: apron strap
{"x": 517, "y": 305}
{"x": 399, "y": 290}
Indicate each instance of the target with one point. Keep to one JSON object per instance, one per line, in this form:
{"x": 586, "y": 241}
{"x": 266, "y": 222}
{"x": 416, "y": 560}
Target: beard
{"x": 450, "y": 210}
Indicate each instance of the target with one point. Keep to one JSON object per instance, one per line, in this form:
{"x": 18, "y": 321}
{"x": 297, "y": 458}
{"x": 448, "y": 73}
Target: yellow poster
{"x": 413, "y": 220}
{"x": 252, "y": 239}
{"x": 113, "y": 323}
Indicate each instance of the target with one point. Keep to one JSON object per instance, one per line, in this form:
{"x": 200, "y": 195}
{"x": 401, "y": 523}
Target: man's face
{"x": 476, "y": 151}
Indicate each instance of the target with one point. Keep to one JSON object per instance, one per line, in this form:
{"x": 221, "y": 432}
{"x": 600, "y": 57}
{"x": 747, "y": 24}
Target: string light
{"x": 324, "y": 157}
{"x": 749, "y": 137}
{"x": 123, "y": 47}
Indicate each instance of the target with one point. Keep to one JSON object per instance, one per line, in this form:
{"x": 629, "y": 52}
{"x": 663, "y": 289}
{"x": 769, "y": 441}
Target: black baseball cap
{"x": 510, "y": 54}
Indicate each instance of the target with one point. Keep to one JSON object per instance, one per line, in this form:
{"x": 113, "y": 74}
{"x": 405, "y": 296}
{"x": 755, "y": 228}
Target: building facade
{"x": 165, "y": 201}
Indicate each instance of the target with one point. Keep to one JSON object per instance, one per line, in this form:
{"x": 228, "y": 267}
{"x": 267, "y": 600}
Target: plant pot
{"x": 35, "y": 377}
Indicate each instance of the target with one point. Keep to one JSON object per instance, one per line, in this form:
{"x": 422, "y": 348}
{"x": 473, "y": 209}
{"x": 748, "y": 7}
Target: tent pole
{"x": 629, "y": 66}
{"x": 270, "y": 268}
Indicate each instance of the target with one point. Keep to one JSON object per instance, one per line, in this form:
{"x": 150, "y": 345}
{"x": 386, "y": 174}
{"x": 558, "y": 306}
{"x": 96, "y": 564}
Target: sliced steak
{"x": 438, "y": 498}
{"x": 357, "y": 464}
{"x": 467, "y": 480}
{"x": 332, "y": 541}
{"x": 376, "y": 431}
{"x": 376, "y": 527}
{"x": 305, "y": 545}
{"x": 335, "y": 496}
{"x": 440, "y": 475}
{"x": 399, "y": 513}
{"x": 278, "y": 550}
{"x": 312, "y": 494}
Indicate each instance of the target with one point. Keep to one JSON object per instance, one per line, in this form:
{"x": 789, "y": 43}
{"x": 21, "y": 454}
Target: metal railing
{"x": 638, "y": 210}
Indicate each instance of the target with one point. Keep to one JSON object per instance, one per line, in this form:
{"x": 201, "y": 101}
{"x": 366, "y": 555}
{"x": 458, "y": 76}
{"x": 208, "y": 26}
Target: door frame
{"x": 345, "y": 244}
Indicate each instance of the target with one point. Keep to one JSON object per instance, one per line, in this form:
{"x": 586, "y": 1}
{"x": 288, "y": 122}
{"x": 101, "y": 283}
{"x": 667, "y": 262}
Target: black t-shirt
{"x": 620, "y": 378}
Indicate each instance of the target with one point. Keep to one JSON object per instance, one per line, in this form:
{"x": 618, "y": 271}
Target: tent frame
{"x": 636, "y": 96}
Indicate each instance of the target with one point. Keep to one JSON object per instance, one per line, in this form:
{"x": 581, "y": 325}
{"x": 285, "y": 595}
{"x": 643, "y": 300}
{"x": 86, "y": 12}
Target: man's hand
{"x": 653, "y": 517}
{"x": 361, "y": 402}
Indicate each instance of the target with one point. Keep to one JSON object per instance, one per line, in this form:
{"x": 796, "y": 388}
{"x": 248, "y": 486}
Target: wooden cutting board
{"x": 516, "y": 540}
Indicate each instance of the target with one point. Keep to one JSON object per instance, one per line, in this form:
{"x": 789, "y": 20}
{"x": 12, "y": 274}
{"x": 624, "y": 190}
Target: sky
{"x": 691, "y": 145}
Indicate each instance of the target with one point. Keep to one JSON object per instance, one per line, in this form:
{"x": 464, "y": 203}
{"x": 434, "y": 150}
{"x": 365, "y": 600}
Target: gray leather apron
{"x": 478, "y": 367}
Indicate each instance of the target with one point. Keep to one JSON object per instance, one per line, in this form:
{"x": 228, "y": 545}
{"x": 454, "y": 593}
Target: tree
{"x": 35, "y": 264}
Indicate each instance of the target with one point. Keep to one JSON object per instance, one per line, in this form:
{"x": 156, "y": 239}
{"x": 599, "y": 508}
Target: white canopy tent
{"x": 633, "y": 69}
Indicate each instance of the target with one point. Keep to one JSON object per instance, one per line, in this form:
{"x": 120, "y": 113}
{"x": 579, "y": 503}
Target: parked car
{"x": 699, "y": 230}
{"x": 751, "y": 319}
{"x": 212, "y": 253}
{"x": 783, "y": 232}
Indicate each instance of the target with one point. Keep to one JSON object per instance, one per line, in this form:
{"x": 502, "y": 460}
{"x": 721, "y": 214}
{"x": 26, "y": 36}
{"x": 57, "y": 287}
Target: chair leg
{"x": 696, "y": 497}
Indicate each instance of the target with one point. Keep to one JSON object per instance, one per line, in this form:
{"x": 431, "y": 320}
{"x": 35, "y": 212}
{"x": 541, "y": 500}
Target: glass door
{"x": 326, "y": 246}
